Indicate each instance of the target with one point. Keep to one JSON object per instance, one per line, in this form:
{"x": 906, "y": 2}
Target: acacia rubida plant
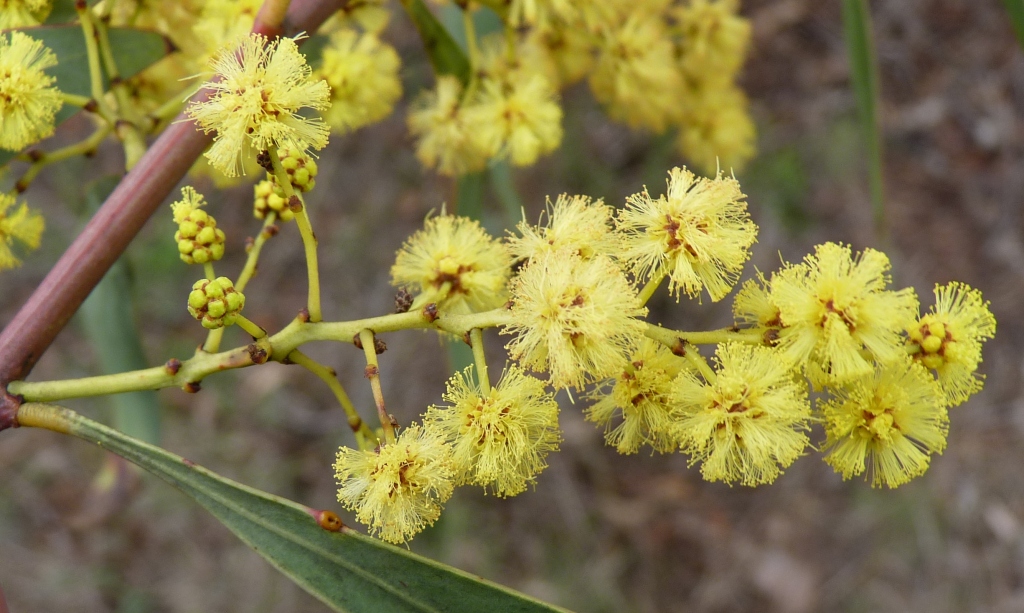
{"x": 568, "y": 292}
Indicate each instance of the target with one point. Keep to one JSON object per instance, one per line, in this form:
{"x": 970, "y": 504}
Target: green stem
{"x": 364, "y": 434}
{"x": 255, "y": 331}
{"x": 208, "y": 271}
{"x": 652, "y": 286}
{"x": 308, "y": 237}
{"x": 278, "y": 346}
{"x": 95, "y": 71}
{"x": 476, "y": 337}
{"x": 254, "y": 252}
{"x": 43, "y": 160}
{"x": 697, "y": 360}
{"x": 366, "y": 339}
{"x": 673, "y": 338}
{"x": 213, "y": 339}
{"x": 74, "y": 100}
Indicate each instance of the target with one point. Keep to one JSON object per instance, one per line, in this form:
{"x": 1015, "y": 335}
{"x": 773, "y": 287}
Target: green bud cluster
{"x": 269, "y": 197}
{"x": 300, "y": 167}
{"x": 215, "y": 303}
{"x": 199, "y": 239}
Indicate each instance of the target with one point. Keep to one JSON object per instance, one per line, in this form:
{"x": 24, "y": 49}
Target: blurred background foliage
{"x": 601, "y": 532}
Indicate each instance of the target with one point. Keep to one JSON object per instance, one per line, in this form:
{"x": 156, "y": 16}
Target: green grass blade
{"x": 864, "y": 75}
{"x": 445, "y": 54}
{"x": 1016, "y": 10}
{"x": 348, "y": 571}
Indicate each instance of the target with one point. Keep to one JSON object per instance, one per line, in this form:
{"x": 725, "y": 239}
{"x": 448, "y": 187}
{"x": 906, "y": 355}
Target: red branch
{"x": 113, "y": 227}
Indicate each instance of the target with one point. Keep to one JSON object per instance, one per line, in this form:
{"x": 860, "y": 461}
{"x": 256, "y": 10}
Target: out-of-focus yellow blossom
{"x": 714, "y": 39}
{"x": 449, "y": 138}
{"x": 568, "y": 50}
{"x": 223, "y": 23}
{"x": 641, "y": 397}
{"x": 948, "y": 339}
{"x": 835, "y": 307}
{"x": 533, "y": 12}
{"x": 699, "y": 234}
{"x": 637, "y": 76}
{"x": 398, "y": 489}
{"x": 18, "y": 225}
{"x": 892, "y": 419}
{"x": 257, "y": 101}
{"x": 574, "y": 318}
{"x": 22, "y": 13}
{"x": 28, "y": 99}
{"x": 174, "y": 20}
{"x": 454, "y": 262}
{"x": 499, "y": 439}
{"x": 574, "y": 223}
{"x": 748, "y": 423}
{"x": 520, "y": 118}
{"x": 363, "y": 74}
{"x": 717, "y": 130}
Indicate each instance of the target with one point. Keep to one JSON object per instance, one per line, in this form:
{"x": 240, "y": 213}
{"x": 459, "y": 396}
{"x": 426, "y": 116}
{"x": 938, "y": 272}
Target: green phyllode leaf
{"x": 1016, "y": 10}
{"x": 444, "y": 52}
{"x": 348, "y": 571}
{"x": 864, "y": 75}
{"x": 108, "y": 316}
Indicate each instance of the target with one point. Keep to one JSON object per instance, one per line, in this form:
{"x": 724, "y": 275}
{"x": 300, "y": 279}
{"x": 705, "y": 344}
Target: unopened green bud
{"x": 269, "y": 197}
{"x": 300, "y": 167}
{"x": 215, "y": 303}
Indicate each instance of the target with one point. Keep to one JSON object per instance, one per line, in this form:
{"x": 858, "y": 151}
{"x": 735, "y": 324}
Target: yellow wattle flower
{"x": 574, "y": 223}
{"x": 699, "y": 234}
{"x": 574, "y": 318}
{"x": 747, "y": 424}
{"x": 448, "y": 136}
{"x": 519, "y": 118}
{"x": 890, "y": 421}
{"x": 28, "y": 99}
{"x": 22, "y": 13}
{"x": 948, "y": 339}
{"x": 363, "y": 74}
{"x": 454, "y": 262}
{"x": 18, "y": 225}
{"x": 838, "y": 313}
{"x": 398, "y": 489}
{"x": 256, "y": 103}
{"x": 499, "y": 439}
{"x": 639, "y": 400}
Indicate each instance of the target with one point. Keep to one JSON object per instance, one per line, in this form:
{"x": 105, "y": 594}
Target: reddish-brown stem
{"x": 113, "y": 227}
{"x": 3, "y": 601}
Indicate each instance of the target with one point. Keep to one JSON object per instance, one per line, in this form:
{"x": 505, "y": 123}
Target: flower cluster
{"x": 884, "y": 374}
{"x": 18, "y": 225}
{"x": 199, "y": 239}
{"x": 28, "y": 99}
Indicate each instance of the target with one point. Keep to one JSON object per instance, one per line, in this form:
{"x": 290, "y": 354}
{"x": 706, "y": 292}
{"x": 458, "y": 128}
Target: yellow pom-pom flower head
{"x": 198, "y": 238}
{"x": 18, "y": 225}
{"x": 748, "y": 423}
{"x": 257, "y": 100}
{"x": 574, "y": 318}
{"x": 519, "y": 117}
{"x": 398, "y": 489}
{"x": 500, "y": 438}
{"x": 449, "y": 137}
{"x": 948, "y": 339}
{"x": 28, "y": 100}
{"x": 22, "y": 13}
{"x": 574, "y": 223}
{"x": 636, "y": 76}
{"x": 640, "y": 397}
{"x": 363, "y": 74}
{"x": 892, "y": 419}
{"x": 454, "y": 262}
{"x": 714, "y": 39}
{"x": 716, "y": 130}
{"x": 215, "y": 303}
{"x": 699, "y": 234}
{"x": 834, "y": 306}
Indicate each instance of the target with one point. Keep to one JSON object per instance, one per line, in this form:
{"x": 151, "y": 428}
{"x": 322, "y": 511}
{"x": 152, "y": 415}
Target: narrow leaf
{"x": 864, "y": 75}
{"x": 1016, "y": 10}
{"x": 108, "y": 316}
{"x": 348, "y": 571}
{"x": 444, "y": 53}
